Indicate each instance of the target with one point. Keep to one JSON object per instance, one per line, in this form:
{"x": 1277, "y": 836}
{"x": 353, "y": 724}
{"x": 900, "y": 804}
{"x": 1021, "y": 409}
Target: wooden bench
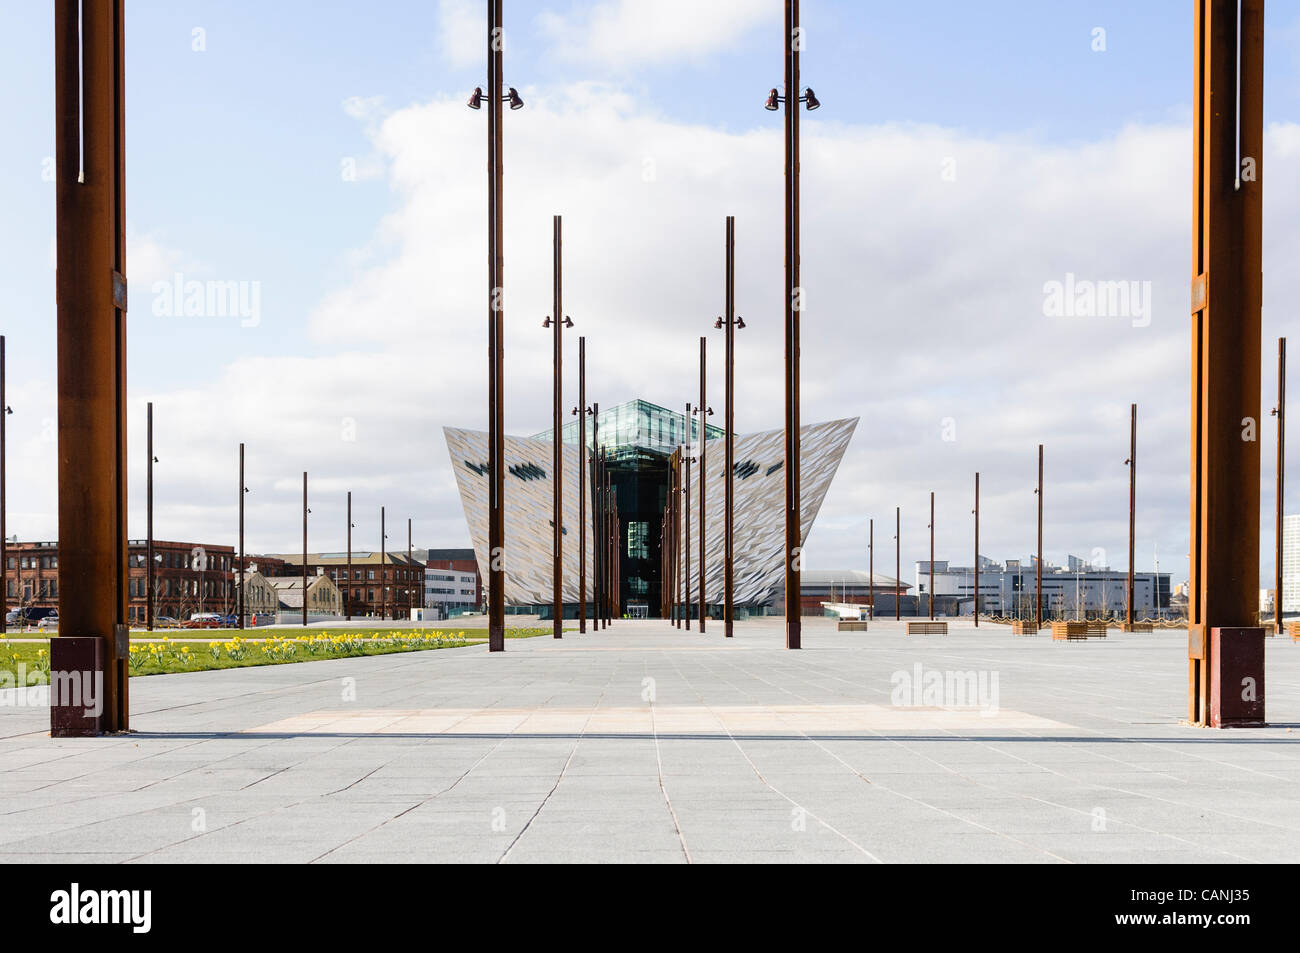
{"x": 852, "y": 625}
{"x": 1068, "y": 631}
{"x": 1294, "y": 629}
{"x": 1138, "y": 627}
{"x": 927, "y": 628}
{"x": 1023, "y": 627}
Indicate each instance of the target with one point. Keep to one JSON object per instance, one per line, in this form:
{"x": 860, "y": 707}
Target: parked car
{"x": 51, "y": 621}
{"x": 204, "y": 620}
{"x": 166, "y": 622}
{"x": 29, "y": 615}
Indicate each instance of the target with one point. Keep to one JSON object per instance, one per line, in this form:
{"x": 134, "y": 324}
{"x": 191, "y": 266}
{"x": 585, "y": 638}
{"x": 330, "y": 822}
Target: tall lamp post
{"x": 793, "y": 96}
{"x": 1132, "y": 462}
{"x": 1280, "y": 413}
{"x": 977, "y": 549}
{"x": 731, "y": 323}
{"x": 581, "y": 412}
{"x": 558, "y": 322}
{"x": 898, "y": 564}
{"x": 1038, "y": 567}
{"x": 686, "y": 511}
{"x": 347, "y": 570}
{"x": 383, "y": 559}
{"x": 243, "y": 489}
{"x": 932, "y": 555}
{"x": 410, "y": 575}
{"x": 496, "y": 327}
{"x": 871, "y": 569}
{"x": 305, "y": 511}
{"x": 148, "y": 518}
{"x": 704, "y": 411}
{"x": 5, "y": 411}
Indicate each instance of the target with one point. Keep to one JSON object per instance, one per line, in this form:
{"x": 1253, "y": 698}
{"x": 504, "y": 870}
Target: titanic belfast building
{"x": 639, "y": 440}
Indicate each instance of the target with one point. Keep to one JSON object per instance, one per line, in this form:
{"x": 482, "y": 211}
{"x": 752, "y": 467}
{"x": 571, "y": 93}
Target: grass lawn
{"x": 225, "y": 648}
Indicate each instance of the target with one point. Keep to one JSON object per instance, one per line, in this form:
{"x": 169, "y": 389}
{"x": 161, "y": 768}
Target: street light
{"x": 557, "y": 477}
{"x": 792, "y": 43}
{"x": 703, "y": 412}
{"x": 581, "y": 412}
{"x": 243, "y": 488}
{"x": 347, "y": 602}
{"x": 148, "y": 543}
{"x": 496, "y": 327}
{"x": 730, "y": 321}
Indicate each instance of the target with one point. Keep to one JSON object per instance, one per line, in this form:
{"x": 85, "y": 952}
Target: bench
{"x": 1138, "y": 627}
{"x": 1024, "y": 627}
{"x": 1069, "y": 631}
{"x": 1294, "y": 629}
{"x": 927, "y": 628}
{"x": 852, "y": 625}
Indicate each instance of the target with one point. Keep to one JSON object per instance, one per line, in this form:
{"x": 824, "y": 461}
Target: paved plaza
{"x": 645, "y": 743}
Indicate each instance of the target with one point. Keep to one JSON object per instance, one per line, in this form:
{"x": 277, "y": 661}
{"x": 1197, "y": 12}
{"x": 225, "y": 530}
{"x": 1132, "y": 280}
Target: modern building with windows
{"x": 1078, "y": 590}
{"x": 639, "y": 440}
{"x": 1291, "y": 564}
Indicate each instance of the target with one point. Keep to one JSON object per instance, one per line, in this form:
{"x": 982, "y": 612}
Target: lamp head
{"x": 515, "y": 101}
{"x": 718, "y": 323}
{"x": 773, "y": 99}
{"x": 810, "y": 99}
{"x": 547, "y": 322}
{"x": 740, "y": 322}
{"x": 475, "y": 98}
{"x": 568, "y": 321}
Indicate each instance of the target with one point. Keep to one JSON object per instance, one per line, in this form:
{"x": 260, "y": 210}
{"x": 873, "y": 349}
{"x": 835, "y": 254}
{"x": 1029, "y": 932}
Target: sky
{"x": 319, "y": 156}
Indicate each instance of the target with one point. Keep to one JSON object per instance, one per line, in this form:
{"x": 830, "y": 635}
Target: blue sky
{"x": 234, "y": 173}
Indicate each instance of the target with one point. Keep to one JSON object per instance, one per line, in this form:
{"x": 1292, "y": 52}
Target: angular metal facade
{"x": 759, "y": 487}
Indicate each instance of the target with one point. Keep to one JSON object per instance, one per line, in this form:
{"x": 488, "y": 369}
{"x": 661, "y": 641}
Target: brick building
{"x": 187, "y": 578}
{"x": 389, "y": 591}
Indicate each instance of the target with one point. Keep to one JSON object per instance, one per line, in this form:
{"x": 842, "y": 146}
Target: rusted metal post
{"x": 871, "y": 569}
{"x": 704, "y": 482}
{"x": 383, "y": 560}
{"x": 91, "y": 324}
{"x": 977, "y": 549}
{"x": 686, "y": 509}
{"x": 1280, "y": 412}
{"x": 1226, "y": 345}
{"x": 305, "y": 511}
{"x": 1129, "y": 604}
{"x": 496, "y": 338}
{"x": 1038, "y": 567}
{"x": 557, "y": 477}
{"x": 4, "y": 564}
{"x": 898, "y": 563}
{"x": 410, "y": 575}
{"x": 243, "y": 488}
{"x": 148, "y": 517}
{"x": 347, "y": 601}
{"x": 932, "y": 555}
{"x": 793, "y": 303}
{"x": 582, "y": 484}
{"x": 729, "y": 321}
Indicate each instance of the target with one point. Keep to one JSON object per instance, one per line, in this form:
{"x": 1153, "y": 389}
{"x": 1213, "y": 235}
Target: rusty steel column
{"x": 1280, "y": 413}
{"x": 1226, "y": 339}
{"x": 243, "y": 488}
{"x": 977, "y": 549}
{"x": 91, "y": 325}
{"x": 793, "y": 304}
{"x": 871, "y": 569}
{"x": 383, "y": 559}
{"x": 557, "y": 477}
{"x": 4, "y": 564}
{"x": 596, "y": 553}
{"x": 729, "y": 319}
{"x": 148, "y": 517}
{"x": 410, "y": 595}
{"x": 898, "y": 563}
{"x": 932, "y": 555}
{"x": 1132, "y": 461}
{"x": 582, "y": 484}
{"x": 305, "y": 511}
{"x": 496, "y": 342}
{"x": 1038, "y": 568}
{"x": 347, "y": 602}
{"x": 704, "y": 482}
{"x": 686, "y": 509}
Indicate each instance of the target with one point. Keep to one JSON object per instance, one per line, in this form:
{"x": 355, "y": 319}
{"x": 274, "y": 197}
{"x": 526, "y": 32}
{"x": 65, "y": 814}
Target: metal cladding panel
{"x": 759, "y": 523}
{"x": 529, "y": 541}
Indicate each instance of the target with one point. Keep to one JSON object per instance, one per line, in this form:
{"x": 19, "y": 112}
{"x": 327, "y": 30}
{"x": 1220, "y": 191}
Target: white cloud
{"x": 628, "y": 33}
{"x": 924, "y": 297}
{"x": 462, "y": 40}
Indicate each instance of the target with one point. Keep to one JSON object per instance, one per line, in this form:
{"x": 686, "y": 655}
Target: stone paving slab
{"x": 647, "y": 744}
